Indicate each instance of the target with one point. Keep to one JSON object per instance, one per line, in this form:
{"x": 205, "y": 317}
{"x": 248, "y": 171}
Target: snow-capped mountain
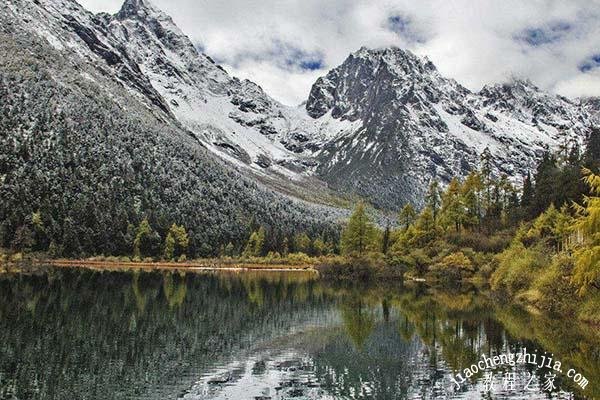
{"x": 415, "y": 125}
{"x": 381, "y": 125}
{"x": 149, "y": 53}
{"x": 232, "y": 117}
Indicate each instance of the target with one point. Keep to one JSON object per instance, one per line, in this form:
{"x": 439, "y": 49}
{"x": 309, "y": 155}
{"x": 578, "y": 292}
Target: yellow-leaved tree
{"x": 587, "y": 257}
{"x": 360, "y": 235}
{"x": 176, "y": 242}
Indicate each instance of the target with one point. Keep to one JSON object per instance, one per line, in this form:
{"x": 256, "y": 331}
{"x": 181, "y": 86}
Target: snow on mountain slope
{"x": 150, "y": 55}
{"x": 382, "y": 125}
{"x": 415, "y": 125}
{"x": 232, "y": 117}
{"x": 592, "y": 106}
{"x": 68, "y": 27}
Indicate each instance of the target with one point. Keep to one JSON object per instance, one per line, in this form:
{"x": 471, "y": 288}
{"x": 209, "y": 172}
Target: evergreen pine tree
{"x": 229, "y": 250}
{"x": 545, "y": 184}
{"x": 385, "y": 242}
{"x": 40, "y": 234}
{"x": 23, "y": 240}
{"x": 147, "y": 240}
{"x": 591, "y": 157}
{"x": 527, "y": 196}
{"x": 285, "y": 250}
{"x": 486, "y": 174}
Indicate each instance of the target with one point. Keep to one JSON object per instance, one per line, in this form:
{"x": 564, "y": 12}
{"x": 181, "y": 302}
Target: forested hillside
{"x": 83, "y": 163}
{"x": 98, "y": 156}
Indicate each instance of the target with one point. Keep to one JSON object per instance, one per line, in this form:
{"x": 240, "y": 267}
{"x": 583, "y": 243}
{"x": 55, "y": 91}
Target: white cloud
{"x": 580, "y": 85}
{"x": 283, "y": 85}
{"x": 475, "y": 42}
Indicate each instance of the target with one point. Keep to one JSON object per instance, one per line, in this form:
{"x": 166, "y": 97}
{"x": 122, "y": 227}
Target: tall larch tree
{"x": 407, "y": 216}
{"x": 359, "y": 235}
{"x": 452, "y": 212}
{"x": 471, "y": 193}
{"x": 176, "y": 242}
{"x": 426, "y": 229}
{"x": 587, "y": 265}
{"x": 433, "y": 198}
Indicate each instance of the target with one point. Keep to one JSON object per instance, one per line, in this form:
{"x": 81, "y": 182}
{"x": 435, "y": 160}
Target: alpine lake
{"x": 96, "y": 334}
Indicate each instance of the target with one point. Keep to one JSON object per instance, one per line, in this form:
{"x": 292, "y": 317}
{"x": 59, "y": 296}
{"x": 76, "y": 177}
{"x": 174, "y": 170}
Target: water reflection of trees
{"x": 399, "y": 343}
{"x": 359, "y": 322}
{"x": 458, "y": 326}
{"x": 576, "y": 345}
{"x": 82, "y": 334}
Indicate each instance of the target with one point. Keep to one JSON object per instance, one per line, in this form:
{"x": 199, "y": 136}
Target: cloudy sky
{"x": 284, "y": 45}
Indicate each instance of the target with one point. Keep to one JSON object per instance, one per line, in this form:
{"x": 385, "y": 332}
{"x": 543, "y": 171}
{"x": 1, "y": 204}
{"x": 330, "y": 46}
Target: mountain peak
{"x": 136, "y": 8}
{"x": 367, "y": 51}
{"x": 523, "y": 84}
{"x": 396, "y": 57}
{"x": 366, "y": 72}
{"x": 520, "y": 84}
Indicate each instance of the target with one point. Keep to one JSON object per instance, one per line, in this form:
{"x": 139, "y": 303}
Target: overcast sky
{"x": 284, "y": 45}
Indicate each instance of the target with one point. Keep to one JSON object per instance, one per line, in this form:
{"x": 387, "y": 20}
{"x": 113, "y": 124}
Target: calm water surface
{"x": 80, "y": 334}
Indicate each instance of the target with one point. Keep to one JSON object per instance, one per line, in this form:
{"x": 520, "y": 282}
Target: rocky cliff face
{"x": 415, "y": 125}
{"x": 592, "y": 106}
{"x": 234, "y": 118}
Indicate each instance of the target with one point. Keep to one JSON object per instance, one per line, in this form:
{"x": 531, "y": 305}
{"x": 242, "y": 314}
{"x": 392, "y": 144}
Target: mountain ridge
{"x": 416, "y": 124}
{"x": 381, "y": 125}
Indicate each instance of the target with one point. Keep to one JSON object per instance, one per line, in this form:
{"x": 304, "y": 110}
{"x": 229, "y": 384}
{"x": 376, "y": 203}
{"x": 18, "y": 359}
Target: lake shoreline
{"x": 240, "y": 266}
{"x": 175, "y": 266}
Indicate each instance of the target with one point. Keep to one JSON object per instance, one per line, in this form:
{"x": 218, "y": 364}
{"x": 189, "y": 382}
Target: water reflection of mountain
{"x": 82, "y": 334}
